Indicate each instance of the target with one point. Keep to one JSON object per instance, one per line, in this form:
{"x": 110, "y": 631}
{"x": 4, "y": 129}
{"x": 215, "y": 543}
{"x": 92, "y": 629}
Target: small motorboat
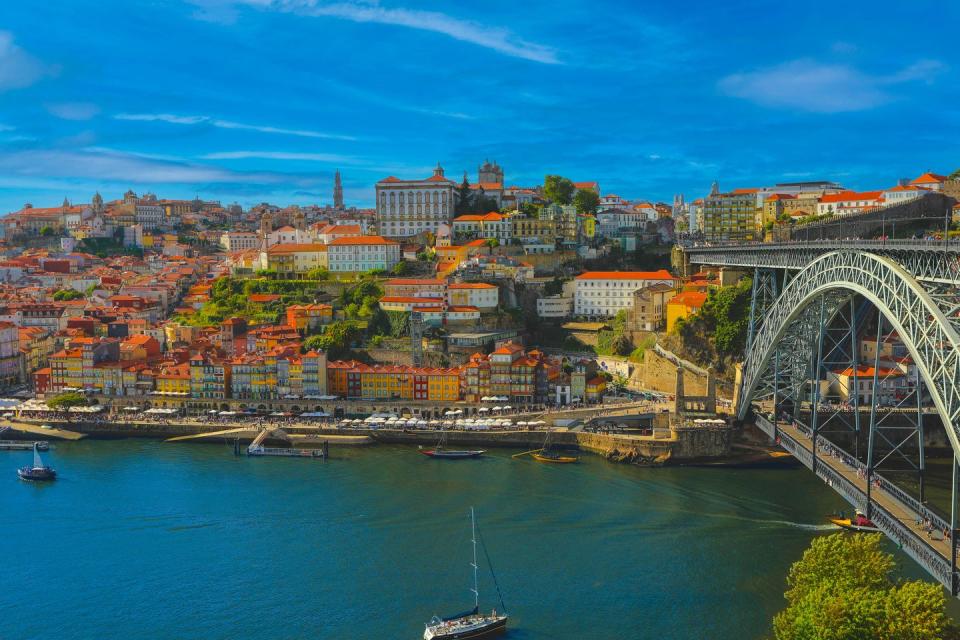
{"x": 859, "y": 522}
{"x": 39, "y": 471}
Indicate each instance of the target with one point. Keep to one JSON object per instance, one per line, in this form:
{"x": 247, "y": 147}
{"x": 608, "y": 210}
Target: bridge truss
{"x": 814, "y": 327}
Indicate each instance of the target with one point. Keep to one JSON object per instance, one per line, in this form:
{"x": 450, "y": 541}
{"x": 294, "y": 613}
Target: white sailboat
{"x": 471, "y": 624}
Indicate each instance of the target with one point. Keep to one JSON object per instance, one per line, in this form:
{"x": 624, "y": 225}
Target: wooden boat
{"x": 450, "y": 454}
{"x": 548, "y": 454}
{"x": 39, "y": 471}
{"x": 859, "y": 522}
{"x": 554, "y": 457}
{"x": 471, "y": 624}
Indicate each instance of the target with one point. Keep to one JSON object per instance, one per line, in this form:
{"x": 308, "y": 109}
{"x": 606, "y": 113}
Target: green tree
{"x": 402, "y": 268}
{"x": 842, "y": 589}
{"x": 530, "y": 210}
{"x": 558, "y": 189}
{"x": 66, "y": 400}
{"x": 318, "y": 273}
{"x": 67, "y": 294}
{"x": 46, "y": 231}
{"x": 492, "y": 243}
{"x": 586, "y": 201}
{"x": 618, "y": 383}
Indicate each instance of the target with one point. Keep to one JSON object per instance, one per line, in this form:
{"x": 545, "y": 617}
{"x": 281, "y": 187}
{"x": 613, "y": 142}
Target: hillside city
{"x": 450, "y": 290}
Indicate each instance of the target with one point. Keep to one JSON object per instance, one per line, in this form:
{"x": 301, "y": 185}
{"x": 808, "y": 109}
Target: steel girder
{"x": 933, "y": 261}
{"x": 922, "y": 314}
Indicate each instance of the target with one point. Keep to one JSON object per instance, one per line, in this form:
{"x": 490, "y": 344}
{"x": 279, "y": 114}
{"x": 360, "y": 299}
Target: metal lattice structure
{"x": 813, "y": 326}
{"x": 925, "y": 260}
{"x": 923, "y": 314}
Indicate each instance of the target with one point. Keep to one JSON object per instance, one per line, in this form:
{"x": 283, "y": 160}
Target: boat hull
{"x": 37, "y": 475}
{"x": 555, "y": 459}
{"x": 494, "y": 628}
{"x": 451, "y": 455}
{"x": 845, "y": 523}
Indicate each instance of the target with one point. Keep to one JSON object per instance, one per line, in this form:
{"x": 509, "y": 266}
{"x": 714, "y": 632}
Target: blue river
{"x": 141, "y": 539}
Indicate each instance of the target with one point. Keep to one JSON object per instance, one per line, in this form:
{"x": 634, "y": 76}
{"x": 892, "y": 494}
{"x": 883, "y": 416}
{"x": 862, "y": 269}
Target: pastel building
{"x": 362, "y": 253}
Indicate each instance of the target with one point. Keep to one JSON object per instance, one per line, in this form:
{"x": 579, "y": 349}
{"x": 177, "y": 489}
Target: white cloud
{"x": 18, "y": 68}
{"x": 823, "y": 88}
{"x": 498, "y": 39}
{"x": 6, "y": 127}
{"x": 73, "y": 110}
{"x": 105, "y": 164}
{"x": 227, "y": 124}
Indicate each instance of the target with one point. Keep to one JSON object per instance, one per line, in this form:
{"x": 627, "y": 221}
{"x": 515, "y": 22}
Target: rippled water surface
{"x": 140, "y": 539}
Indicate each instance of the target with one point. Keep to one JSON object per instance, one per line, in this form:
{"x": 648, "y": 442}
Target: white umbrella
{"x": 507, "y": 408}
{"x": 522, "y": 423}
{"x": 483, "y": 410}
{"x": 450, "y": 413}
{"x": 496, "y": 409}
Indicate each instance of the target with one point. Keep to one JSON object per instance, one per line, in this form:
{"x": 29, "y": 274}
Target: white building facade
{"x": 362, "y": 253}
{"x": 408, "y": 207}
{"x": 601, "y": 294}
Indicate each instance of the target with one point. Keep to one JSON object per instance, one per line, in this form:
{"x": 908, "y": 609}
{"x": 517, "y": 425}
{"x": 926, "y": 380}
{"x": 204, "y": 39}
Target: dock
{"x": 23, "y": 445}
{"x": 54, "y": 433}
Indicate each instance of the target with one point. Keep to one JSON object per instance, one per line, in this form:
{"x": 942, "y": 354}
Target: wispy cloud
{"x": 278, "y": 155}
{"x": 73, "y": 110}
{"x": 824, "y": 88}
{"x": 18, "y": 68}
{"x": 498, "y": 39}
{"x": 227, "y": 124}
{"x": 104, "y": 164}
{"x": 6, "y": 127}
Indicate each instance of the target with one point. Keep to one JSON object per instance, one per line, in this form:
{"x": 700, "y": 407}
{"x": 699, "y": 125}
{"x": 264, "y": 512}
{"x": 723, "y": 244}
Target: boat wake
{"x": 803, "y": 525}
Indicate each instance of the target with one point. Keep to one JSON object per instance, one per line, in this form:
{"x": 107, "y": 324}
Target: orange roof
{"x": 691, "y": 299}
{"x": 781, "y": 196}
{"x": 413, "y": 281}
{"x": 929, "y": 178}
{"x": 493, "y": 216}
{"x": 438, "y": 178}
{"x": 297, "y": 248}
{"x": 471, "y": 285}
{"x": 361, "y": 240}
{"x": 744, "y": 191}
{"x": 410, "y": 299}
{"x": 587, "y": 185}
{"x": 462, "y": 308}
{"x": 662, "y": 274}
{"x": 487, "y": 186}
{"x": 863, "y": 370}
{"x": 263, "y": 297}
{"x": 847, "y": 196}
{"x": 390, "y": 179}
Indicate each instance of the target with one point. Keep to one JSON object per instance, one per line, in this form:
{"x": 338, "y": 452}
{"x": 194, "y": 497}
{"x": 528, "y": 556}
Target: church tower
{"x": 266, "y": 225}
{"x": 97, "y": 203}
{"x": 337, "y": 191}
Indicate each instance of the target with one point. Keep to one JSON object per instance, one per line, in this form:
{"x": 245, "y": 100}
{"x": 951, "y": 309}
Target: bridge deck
{"x": 893, "y": 511}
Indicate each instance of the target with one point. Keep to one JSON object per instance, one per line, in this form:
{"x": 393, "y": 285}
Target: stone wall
{"x": 659, "y": 374}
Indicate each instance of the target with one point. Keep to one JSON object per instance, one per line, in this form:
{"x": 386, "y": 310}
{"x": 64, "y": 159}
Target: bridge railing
{"x": 923, "y": 244}
{"x": 908, "y": 539}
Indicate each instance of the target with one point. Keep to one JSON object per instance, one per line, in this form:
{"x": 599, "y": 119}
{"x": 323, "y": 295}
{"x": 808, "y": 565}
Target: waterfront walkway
{"x": 921, "y": 533}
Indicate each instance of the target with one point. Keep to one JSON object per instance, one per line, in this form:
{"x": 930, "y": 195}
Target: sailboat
{"x": 38, "y": 471}
{"x": 450, "y": 454}
{"x": 547, "y": 454}
{"x": 471, "y": 624}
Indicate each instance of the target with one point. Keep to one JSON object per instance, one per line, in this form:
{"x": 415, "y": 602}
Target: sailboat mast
{"x": 473, "y": 537}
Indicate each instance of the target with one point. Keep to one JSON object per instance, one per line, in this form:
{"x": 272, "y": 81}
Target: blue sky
{"x": 252, "y": 100}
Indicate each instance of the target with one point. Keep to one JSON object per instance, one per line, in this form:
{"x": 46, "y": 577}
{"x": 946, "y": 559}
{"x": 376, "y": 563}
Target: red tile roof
{"x": 361, "y": 240}
{"x": 662, "y": 274}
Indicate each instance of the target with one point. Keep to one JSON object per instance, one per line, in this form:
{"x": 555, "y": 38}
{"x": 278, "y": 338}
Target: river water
{"x": 141, "y": 539}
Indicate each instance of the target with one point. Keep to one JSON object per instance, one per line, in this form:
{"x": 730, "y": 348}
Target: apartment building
{"x": 602, "y": 294}
{"x": 362, "y": 253}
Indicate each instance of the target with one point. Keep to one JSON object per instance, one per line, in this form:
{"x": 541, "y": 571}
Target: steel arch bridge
{"x": 790, "y": 345}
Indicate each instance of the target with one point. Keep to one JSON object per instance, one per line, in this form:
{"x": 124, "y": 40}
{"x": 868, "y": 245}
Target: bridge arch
{"x": 920, "y": 314}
